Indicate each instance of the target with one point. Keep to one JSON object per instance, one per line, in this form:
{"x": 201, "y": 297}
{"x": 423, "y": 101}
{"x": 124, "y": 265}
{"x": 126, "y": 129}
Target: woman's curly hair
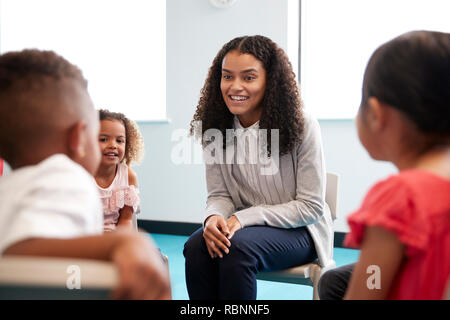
{"x": 134, "y": 147}
{"x": 281, "y": 103}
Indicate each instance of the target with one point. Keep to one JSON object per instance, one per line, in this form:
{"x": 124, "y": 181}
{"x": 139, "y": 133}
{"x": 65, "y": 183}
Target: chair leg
{"x": 315, "y": 292}
{"x": 315, "y": 276}
{"x": 315, "y": 279}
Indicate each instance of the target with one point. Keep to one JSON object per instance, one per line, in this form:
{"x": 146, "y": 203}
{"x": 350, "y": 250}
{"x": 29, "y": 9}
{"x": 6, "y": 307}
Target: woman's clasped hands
{"x": 218, "y": 233}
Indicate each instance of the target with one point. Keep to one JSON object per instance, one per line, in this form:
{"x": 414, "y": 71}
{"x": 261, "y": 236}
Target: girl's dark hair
{"x": 134, "y": 147}
{"x": 412, "y": 74}
{"x": 281, "y": 103}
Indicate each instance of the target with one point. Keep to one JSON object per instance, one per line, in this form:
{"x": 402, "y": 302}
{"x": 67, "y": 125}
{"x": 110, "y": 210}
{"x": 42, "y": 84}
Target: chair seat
{"x": 309, "y": 274}
{"x": 303, "y": 274}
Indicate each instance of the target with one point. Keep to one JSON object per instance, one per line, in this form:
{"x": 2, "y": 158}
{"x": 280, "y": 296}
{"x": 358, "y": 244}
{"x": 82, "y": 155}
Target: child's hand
{"x": 142, "y": 273}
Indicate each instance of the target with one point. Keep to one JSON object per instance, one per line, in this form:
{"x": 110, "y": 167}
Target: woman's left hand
{"x": 233, "y": 225}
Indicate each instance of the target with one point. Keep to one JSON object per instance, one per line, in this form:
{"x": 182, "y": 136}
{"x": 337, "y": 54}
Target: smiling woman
{"x": 280, "y": 109}
{"x": 256, "y": 220}
{"x": 243, "y": 84}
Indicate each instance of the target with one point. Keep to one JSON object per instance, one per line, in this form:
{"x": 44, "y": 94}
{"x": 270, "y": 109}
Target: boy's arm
{"x": 99, "y": 247}
{"x": 379, "y": 262}
{"x": 142, "y": 274}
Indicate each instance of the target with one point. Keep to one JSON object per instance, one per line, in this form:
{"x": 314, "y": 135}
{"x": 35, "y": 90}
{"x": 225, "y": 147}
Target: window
{"x": 338, "y": 37}
{"x": 120, "y": 45}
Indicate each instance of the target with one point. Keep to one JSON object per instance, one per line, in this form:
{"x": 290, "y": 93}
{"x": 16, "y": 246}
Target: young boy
{"x": 49, "y": 205}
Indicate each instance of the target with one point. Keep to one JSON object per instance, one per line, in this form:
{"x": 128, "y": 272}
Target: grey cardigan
{"x": 291, "y": 198}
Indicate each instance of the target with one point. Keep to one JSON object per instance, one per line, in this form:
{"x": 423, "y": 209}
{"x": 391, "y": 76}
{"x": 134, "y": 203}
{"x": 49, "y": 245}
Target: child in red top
{"x": 403, "y": 225}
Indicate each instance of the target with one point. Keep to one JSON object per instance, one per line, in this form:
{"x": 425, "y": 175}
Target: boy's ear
{"x": 376, "y": 114}
{"x": 76, "y": 141}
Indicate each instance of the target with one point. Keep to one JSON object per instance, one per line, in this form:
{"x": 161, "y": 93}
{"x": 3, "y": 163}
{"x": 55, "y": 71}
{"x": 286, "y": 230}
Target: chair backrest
{"x": 135, "y": 224}
{"x": 331, "y": 193}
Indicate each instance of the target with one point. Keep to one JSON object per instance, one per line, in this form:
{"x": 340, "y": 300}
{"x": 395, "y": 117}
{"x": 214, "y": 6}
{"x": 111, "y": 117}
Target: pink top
{"x": 116, "y": 196}
{"x": 415, "y": 205}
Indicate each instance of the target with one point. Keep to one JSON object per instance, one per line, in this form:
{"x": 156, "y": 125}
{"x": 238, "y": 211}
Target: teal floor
{"x": 172, "y": 246}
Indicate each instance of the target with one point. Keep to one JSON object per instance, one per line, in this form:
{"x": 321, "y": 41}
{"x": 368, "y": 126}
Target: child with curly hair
{"x": 120, "y": 144}
{"x": 49, "y": 205}
{"x": 254, "y": 221}
{"x": 403, "y": 224}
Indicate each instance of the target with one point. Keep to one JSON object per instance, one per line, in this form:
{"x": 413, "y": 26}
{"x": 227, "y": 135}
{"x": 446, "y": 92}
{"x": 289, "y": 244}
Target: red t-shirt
{"x": 415, "y": 205}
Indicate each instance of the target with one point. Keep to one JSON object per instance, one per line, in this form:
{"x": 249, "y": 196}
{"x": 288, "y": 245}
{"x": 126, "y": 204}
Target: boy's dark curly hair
{"x": 281, "y": 104}
{"x": 134, "y": 147}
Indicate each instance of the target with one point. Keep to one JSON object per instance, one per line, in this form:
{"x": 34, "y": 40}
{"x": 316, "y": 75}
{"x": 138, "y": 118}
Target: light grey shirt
{"x": 291, "y": 196}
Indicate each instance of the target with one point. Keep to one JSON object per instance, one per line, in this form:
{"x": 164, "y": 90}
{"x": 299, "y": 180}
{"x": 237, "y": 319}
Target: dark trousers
{"x": 333, "y": 283}
{"x": 253, "y": 249}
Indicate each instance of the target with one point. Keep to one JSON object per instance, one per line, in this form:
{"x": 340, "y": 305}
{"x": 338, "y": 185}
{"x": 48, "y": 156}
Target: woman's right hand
{"x": 216, "y": 235}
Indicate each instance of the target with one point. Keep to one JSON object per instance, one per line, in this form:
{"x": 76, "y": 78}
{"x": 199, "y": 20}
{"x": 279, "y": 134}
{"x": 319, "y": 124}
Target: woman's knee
{"x": 194, "y": 243}
{"x": 240, "y": 252}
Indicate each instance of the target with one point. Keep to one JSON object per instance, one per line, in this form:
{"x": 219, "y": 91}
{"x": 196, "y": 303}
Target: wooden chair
{"x": 309, "y": 274}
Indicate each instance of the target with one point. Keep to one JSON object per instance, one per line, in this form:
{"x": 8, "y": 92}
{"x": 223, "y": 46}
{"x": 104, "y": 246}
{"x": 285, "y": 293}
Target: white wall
{"x": 345, "y": 156}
